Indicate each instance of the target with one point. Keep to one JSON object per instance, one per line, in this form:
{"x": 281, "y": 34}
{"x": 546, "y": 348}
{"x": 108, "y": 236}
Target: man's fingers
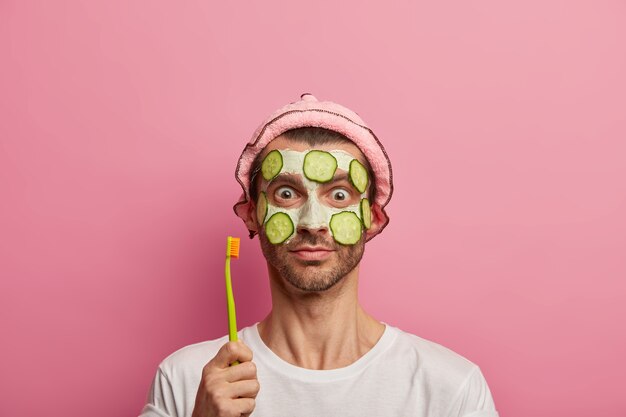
{"x": 228, "y": 390}
{"x": 245, "y": 406}
{"x": 248, "y": 388}
{"x": 245, "y": 370}
{"x": 231, "y": 352}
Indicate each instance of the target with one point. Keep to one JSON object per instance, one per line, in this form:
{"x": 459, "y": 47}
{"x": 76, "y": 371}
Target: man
{"x": 315, "y": 183}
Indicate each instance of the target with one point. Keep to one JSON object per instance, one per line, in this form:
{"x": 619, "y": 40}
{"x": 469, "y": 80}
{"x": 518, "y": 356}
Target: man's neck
{"x": 319, "y": 330}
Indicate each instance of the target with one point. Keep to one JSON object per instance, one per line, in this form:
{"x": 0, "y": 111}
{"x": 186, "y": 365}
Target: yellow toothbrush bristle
{"x": 234, "y": 247}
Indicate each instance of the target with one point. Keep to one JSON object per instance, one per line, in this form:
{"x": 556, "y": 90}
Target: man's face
{"x": 308, "y": 256}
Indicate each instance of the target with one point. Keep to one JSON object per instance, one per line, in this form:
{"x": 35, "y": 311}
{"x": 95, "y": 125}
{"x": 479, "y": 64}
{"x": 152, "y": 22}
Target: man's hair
{"x": 312, "y": 136}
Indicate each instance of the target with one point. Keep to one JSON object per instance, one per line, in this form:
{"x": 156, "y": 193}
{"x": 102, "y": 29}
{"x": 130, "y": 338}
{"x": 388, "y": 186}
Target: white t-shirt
{"x": 402, "y": 375}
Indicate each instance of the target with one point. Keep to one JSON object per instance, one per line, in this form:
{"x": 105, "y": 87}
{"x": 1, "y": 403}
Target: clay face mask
{"x": 313, "y": 169}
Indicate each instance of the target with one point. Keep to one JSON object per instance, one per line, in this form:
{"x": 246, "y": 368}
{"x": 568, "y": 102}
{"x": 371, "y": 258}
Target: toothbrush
{"x": 232, "y": 251}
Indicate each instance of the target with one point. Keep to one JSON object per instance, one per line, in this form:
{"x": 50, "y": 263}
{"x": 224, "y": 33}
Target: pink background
{"x": 121, "y": 123}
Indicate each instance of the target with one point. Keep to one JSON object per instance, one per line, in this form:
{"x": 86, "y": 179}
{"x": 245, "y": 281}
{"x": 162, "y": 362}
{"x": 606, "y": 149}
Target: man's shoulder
{"x": 431, "y": 358}
{"x": 456, "y": 380}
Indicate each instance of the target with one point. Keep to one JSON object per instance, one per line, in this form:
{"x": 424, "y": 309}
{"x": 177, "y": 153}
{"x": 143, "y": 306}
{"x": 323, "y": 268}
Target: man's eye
{"x": 339, "y": 195}
{"x": 285, "y": 193}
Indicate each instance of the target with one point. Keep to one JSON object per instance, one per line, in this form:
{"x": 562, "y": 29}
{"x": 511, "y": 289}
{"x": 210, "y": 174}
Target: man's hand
{"x": 227, "y": 391}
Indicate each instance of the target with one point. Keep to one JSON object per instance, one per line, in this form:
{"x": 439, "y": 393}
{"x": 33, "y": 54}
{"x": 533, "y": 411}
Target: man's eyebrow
{"x": 287, "y": 179}
{"x": 338, "y": 179}
{"x": 342, "y": 176}
{"x": 296, "y": 181}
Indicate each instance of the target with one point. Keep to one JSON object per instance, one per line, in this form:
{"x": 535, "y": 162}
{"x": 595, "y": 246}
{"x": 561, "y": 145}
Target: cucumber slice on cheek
{"x": 346, "y": 227}
{"x": 261, "y": 207}
{"x": 358, "y": 175}
{"x": 271, "y": 165}
{"x": 278, "y": 228}
{"x": 366, "y": 213}
{"x": 319, "y": 166}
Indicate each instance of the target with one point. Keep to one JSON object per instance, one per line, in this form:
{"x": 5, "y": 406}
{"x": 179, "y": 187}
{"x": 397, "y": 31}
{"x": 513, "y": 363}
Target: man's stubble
{"x": 312, "y": 276}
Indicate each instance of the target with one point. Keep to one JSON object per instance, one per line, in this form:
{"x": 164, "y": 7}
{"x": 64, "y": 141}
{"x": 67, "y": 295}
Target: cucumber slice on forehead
{"x": 319, "y": 166}
{"x": 358, "y": 175}
{"x": 278, "y": 228}
{"x": 272, "y": 164}
{"x": 261, "y": 207}
{"x": 366, "y": 213}
{"x": 346, "y": 227}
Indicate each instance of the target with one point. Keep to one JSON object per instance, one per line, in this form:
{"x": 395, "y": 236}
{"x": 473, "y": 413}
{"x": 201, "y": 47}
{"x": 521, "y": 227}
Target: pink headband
{"x": 308, "y": 112}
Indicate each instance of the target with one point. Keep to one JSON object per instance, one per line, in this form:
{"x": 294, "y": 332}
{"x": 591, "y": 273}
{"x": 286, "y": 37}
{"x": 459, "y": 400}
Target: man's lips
{"x": 312, "y": 253}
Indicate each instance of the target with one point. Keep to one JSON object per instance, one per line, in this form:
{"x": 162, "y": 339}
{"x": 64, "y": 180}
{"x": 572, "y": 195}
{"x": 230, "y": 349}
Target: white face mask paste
{"x": 312, "y": 214}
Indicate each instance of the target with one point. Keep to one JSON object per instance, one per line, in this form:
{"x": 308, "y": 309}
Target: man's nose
{"x": 320, "y": 229}
{"x": 312, "y": 219}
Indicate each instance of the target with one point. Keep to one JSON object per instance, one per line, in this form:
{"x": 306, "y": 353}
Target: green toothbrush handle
{"x": 230, "y": 304}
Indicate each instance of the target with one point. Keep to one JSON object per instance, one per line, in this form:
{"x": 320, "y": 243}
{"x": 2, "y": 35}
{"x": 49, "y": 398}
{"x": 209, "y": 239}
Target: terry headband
{"x": 309, "y": 112}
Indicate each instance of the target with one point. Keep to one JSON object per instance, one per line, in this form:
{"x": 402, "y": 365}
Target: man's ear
{"x": 378, "y": 221}
{"x": 251, "y": 220}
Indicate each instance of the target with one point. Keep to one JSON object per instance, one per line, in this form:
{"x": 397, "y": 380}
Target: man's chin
{"x": 310, "y": 276}
{"x": 313, "y": 285}
{"x": 312, "y": 263}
